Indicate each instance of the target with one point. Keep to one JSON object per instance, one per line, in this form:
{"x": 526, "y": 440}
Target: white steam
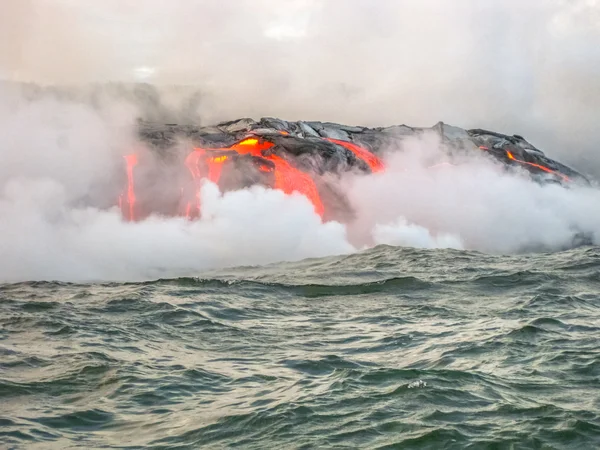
{"x": 474, "y": 205}
{"x": 403, "y": 234}
{"x": 59, "y": 183}
{"x": 62, "y": 172}
{"x": 531, "y": 68}
{"x": 43, "y": 238}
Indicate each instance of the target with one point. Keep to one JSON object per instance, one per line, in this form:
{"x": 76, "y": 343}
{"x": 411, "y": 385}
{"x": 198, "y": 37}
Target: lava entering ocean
{"x": 294, "y": 156}
{"x": 287, "y": 178}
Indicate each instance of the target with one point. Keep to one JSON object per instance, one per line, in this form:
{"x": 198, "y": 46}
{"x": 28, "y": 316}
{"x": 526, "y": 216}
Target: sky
{"x": 526, "y": 67}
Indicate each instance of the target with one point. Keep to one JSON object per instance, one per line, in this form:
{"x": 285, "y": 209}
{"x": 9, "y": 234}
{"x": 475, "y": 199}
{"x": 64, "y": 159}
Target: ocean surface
{"x": 389, "y": 348}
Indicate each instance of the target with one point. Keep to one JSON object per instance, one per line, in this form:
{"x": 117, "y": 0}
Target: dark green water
{"x": 392, "y": 348}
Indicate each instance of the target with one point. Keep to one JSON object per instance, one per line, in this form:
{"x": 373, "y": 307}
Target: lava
{"x": 209, "y": 163}
{"x": 287, "y": 178}
{"x": 131, "y": 161}
{"x": 538, "y": 166}
{"x": 213, "y": 168}
{"x": 510, "y": 156}
{"x": 276, "y": 151}
{"x": 375, "y": 164}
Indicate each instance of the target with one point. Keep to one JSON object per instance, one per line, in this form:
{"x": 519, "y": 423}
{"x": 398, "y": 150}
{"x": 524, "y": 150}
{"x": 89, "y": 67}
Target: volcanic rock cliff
{"x": 301, "y": 157}
{"x": 325, "y": 140}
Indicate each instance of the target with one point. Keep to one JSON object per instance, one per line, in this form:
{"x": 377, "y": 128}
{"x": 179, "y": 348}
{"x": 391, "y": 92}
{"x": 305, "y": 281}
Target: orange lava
{"x": 199, "y": 164}
{"x": 544, "y": 168}
{"x": 287, "y": 178}
{"x": 209, "y": 162}
{"x": 361, "y": 153}
{"x": 131, "y": 161}
{"x": 537, "y": 166}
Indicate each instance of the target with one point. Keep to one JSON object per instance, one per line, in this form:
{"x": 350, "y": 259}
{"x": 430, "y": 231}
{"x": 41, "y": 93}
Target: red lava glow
{"x": 213, "y": 167}
{"x": 252, "y": 146}
{"x": 361, "y": 153}
{"x": 131, "y": 161}
{"x": 209, "y": 162}
{"x": 537, "y": 166}
{"x": 544, "y": 168}
{"x": 287, "y": 178}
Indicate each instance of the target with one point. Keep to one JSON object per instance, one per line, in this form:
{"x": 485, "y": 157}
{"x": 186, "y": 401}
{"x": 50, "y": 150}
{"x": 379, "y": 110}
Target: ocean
{"x": 386, "y": 348}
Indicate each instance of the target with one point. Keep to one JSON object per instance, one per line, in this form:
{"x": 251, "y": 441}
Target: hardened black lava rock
{"x": 306, "y": 143}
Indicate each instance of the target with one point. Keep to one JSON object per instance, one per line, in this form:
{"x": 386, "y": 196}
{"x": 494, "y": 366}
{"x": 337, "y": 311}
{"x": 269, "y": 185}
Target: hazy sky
{"x": 520, "y": 66}
{"x": 160, "y": 40}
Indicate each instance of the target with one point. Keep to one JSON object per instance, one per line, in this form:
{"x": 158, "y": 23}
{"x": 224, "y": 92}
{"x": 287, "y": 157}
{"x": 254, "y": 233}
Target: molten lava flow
{"x": 131, "y": 161}
{"x": 361, "y": 153}
{"x": 252, "y": 146}
{"x": 193, "y": 164}
{"x": 545, "y": 169}
{"x": 215, "y": 168}
{"x": 537, "y": 166}
{"x": 287, "y": 178}
{"x": 212, "y": 164}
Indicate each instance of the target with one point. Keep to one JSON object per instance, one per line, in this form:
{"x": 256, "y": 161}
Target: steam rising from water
{"x": 520, "y": 67}
{"x": 59, "y": 182}
{"x": 475, "y": 205}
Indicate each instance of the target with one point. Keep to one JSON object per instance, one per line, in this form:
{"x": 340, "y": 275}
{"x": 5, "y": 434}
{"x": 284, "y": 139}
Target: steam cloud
{"x": 474, "y": 205}
{"x": 531, "y": 68}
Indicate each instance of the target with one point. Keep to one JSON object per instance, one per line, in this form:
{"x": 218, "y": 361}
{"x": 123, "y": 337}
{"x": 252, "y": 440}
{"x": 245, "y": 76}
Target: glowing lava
{"x": 361, "y": 153}
{"x": 209, "y": 163}
{"x": 131, "y": 161}
{"x": 510, "y": 156}
{"x": 287, "y": 178}
{"x": 200, "y": 164}
{"x": 545, "y": 169}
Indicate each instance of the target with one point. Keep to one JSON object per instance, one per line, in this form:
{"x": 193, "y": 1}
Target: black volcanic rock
{"x": 306, "y": 143}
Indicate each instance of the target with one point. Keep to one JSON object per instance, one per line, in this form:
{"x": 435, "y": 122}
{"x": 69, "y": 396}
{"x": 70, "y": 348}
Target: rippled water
{"x": 395, "y": 348}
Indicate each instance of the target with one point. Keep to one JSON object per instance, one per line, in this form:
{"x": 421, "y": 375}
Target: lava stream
{"x": 131, "y": 161}
{"x": 287, "y": 178}
{"x": 209, "y": 162}
{"x": 374, "y": 163}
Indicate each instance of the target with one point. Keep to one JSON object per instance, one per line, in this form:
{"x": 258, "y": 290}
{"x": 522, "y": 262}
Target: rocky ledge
{"x": 322, "y": 140}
